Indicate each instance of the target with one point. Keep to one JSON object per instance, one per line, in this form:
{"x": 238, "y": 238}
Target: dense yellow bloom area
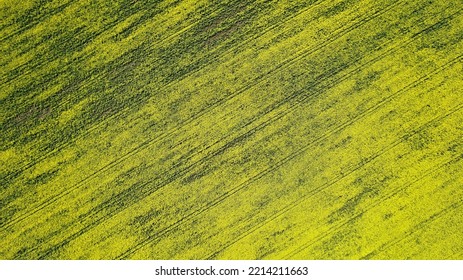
{"x": 231, "y": 129}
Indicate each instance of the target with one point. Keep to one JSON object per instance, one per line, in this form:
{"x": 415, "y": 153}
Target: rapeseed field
{"x": 277, "y": 129}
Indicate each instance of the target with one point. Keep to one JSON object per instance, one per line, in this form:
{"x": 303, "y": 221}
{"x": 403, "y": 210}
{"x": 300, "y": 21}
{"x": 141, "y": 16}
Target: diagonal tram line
{"x": 149, "y": 142}
{"x": 241, "y": 186}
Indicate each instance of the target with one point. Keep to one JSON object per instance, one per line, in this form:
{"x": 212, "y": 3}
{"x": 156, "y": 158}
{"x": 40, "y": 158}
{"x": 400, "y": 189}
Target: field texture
{"x": 276, "y": 129}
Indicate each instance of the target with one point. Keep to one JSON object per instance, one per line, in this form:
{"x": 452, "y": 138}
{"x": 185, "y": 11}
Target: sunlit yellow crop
{"x": 231, "y": 129}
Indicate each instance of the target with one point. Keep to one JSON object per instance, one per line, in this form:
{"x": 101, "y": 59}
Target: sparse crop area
{"x": 178, "y": 129}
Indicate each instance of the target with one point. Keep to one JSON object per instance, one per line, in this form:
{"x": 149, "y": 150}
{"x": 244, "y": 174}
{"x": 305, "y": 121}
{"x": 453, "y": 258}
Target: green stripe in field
{"x": 317, "y": 129}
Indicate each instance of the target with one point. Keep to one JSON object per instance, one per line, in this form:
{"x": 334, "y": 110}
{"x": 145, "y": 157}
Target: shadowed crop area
{"x": 276, "y": 129}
